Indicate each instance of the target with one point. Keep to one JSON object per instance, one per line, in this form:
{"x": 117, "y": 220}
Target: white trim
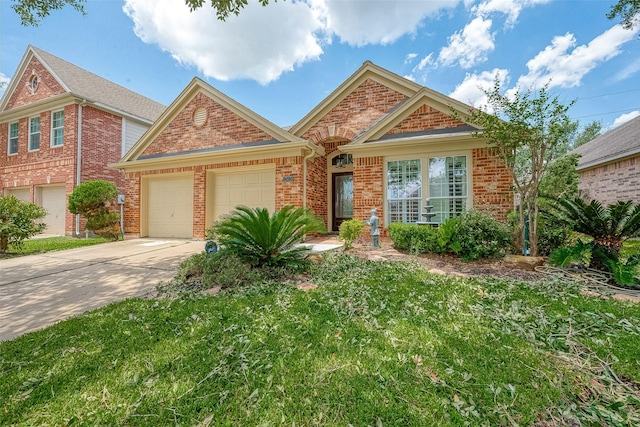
{"x": 52, "y": 136}
{"x": 29, "y": 149}
{"x": 9, "y": 153}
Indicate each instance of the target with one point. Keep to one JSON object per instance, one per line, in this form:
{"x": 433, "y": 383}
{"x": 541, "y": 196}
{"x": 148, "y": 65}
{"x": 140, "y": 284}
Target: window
{"x": 448, "y": 186}
{"x": 13, "y": 138}
{"x": 404, "y": 190}
{"x": 34, "y": 133}
{"x": 57, "y": 128}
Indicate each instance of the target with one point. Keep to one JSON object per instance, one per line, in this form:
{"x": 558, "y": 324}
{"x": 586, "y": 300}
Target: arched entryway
{"x": 340, "y": 189}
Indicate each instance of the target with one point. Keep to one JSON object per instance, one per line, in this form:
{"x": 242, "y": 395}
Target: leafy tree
{"x": 31, "y": 12}
{"x": 266, "y": 240}
{"x": 223, "y": 7}
{"x": 528, "y": 130}
{"x": 627, "y": 11}
{"x": 18, "y": 221}
{"x": 94, "y": 200}
{"x": 588, "y": 133}
{"x": 561, "y": 178}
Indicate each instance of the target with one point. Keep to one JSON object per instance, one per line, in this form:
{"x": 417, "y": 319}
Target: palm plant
{"x": 266, "y": 240}
{"x": 609, "y": 226}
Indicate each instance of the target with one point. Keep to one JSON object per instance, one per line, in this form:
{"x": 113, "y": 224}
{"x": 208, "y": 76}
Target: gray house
{"x": 609, "y": 165}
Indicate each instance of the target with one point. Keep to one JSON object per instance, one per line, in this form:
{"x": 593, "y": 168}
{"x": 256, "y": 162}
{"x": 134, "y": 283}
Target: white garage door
{"x": 23, "y": 194}
{"x": 54, "y": 200}
{"x": 170, "y": 207}
{"x": 252, "y": 188}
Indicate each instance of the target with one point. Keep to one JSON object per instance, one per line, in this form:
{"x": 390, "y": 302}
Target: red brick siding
{"x": 356, "y": 112}
{"x": 47, "y": 87}
{"x": 287, "y": 193}
{"x": 618, "y": 181}
{"x": 491, "y": 183}
{"x": 368, "y": 188}
{"x": 222, "y": 128}
{"x": 425, "y": 118}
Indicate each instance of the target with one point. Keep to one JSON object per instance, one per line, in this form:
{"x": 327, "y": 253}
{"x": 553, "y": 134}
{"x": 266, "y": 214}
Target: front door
{"x": 342, "y": 198}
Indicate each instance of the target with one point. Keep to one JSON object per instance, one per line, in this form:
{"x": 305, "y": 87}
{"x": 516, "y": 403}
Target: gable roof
{"x": 425, "y": 96}
{"x": 368, "y": 70}
{"x": 616, "y": 144}
{"x": 195, "y": 87}
{"x": 86, "y": 85}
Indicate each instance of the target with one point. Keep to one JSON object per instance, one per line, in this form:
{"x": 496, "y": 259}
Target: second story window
{"x": 34, "y": 133}
{"x": 57, "y": 128}
{"x": 13, "y": 138}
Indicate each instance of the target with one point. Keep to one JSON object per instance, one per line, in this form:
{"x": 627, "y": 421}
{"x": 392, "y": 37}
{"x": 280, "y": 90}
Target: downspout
{"x": 79, "y": 159}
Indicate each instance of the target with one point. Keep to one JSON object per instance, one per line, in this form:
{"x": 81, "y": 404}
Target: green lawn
{"x": 376, "y": 344}
{"x": 48, "y": 244}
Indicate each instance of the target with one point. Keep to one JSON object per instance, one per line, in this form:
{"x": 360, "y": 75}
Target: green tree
{"x": 95, "y": 200}
{"x": 266, "y": 240}
{"x": 31, "y": 12}
{"x": 18, "y": 221}
{"x": 586, "y": 134}
{"x": 627, "y": 11}
{"x": 528, "y": 130}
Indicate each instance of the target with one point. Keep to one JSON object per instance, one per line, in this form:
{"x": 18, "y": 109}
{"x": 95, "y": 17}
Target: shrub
{"x": 475, "y": 234}
{"x": 350, "y": 230}
{"x": 94, "y": 200}
{"x": 414, "y": 238}
{"x": 18, "y": 221}
{"x": 260, "y": 239}
{"x": 227, "y": 270}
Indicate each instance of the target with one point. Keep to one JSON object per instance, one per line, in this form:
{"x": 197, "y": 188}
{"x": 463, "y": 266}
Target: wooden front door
{"x": 342, "y": 198}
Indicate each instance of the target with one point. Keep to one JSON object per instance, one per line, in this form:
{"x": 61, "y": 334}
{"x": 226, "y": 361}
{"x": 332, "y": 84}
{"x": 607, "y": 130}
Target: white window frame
{"x": 459, "y": 185}
{"x": 424, "y": 159}
{"x": 54, "y": 129}
{"x": 31, "y": 133}
{"x": 408, "y": 215}
{"x": 16, "y": 138}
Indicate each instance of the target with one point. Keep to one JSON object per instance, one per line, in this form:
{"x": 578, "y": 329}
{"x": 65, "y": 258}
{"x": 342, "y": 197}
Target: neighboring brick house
{"x": 61, "y": 125}
{"x": 378, "y": 141}
{"x": 609, "y": 166}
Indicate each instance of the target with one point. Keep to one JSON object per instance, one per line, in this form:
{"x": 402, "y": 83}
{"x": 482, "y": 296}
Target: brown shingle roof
{"x": 85, "y": 84}
{"x": 620, "y": 142}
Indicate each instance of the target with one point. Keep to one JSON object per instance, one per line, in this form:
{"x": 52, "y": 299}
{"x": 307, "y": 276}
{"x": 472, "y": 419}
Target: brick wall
{"x": 617, "y": 181}
{"x": 425, "y": 118}
{"x": 221, "y": 128}
{"x": 368, "y": 188}
{"x": 48, "y": 86}
{"x": 491, "y": 183}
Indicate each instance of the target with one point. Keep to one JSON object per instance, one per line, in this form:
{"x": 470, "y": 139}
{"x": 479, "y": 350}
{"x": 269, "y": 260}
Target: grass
{"x": 48, "y": 244}
{"x": 377, "y": 343}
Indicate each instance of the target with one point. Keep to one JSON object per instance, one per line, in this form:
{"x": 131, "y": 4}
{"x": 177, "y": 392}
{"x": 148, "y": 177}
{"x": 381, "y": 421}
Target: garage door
{"x": 23, "y": 194}
{"x": 170, "y": 207}
{"x": 252, "y": 188}
{"x": 54, "y": 200}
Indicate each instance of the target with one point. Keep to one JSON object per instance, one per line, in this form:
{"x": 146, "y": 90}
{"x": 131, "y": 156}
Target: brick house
{"x": 61, "y": 125}
{"x": 378, "y": 141}
{"x": 609, "y": 166}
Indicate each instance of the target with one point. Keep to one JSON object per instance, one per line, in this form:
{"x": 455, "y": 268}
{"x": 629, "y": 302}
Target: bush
{"x": 474, "y": 235}
{"x": 415, "y": 238}
{"x": 18, "y": 221}
{"x": 350, "y": 230}
{"x": 94, "y": 200}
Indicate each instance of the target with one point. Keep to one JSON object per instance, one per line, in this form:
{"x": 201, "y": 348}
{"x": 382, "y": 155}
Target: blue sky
{"x": 283, "y": 59}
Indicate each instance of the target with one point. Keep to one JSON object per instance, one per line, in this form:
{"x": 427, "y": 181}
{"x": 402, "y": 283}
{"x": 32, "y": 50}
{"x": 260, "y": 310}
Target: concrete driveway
{"x": 39, "y": 290}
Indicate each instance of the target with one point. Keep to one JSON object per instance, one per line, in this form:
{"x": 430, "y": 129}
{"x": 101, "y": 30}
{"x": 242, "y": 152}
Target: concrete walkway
{"x": 39, "y": 290}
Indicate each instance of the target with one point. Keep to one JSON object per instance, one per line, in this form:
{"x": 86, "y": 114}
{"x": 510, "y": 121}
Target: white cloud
{"x": 410, "y": 57}
{"x": 359, "y": 23}
{"x": 625, "y": 118}
{"x": 560, "y": 66}
{"x": 470, "y": 46}
{"x": 471, "y": 90}
{"x": 627, "y": 71}
{"x": 4, "y": 82}
{"x": 260, "y": 44}
{"x": 510, "y": 8}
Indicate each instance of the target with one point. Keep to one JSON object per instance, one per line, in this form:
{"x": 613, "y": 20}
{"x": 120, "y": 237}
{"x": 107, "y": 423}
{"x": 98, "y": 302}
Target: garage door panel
{"x": 54, "y": 200}
{"x": 23, "y": 194}
{"x": 170, "y": 207}
{"x": 249, "y": 188}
